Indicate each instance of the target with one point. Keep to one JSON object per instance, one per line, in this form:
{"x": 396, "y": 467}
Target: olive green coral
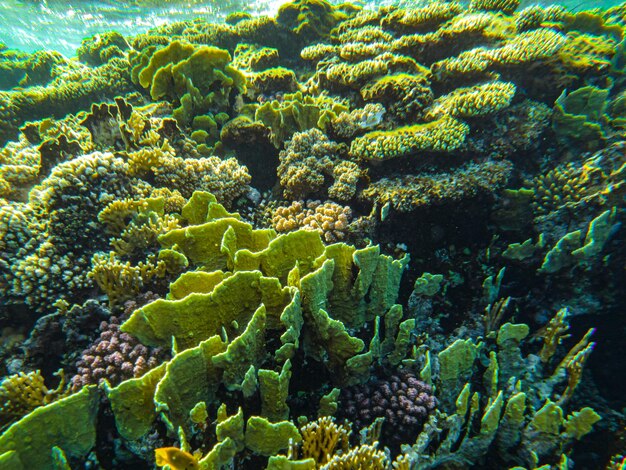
{"x": 198, "y": 78}
{"x": 33, "y": 438}
{"x": 297, "y": 112}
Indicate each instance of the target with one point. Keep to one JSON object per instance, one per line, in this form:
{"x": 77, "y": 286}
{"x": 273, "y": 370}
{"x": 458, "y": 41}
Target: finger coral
{"x": 21, "y": 393}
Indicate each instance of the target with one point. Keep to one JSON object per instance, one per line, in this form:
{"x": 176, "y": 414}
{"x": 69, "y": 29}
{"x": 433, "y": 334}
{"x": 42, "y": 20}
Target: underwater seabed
{"x": 326, "y": 237}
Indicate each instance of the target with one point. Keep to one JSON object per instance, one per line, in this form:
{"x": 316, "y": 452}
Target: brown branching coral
{"x": 23, "y": 392}
{"x": 115, "y": 356}
{"x": 323, "y": 438}
{"x": 311, "y": 162}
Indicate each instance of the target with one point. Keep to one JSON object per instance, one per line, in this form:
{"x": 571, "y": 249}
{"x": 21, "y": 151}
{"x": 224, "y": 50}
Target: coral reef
{"x": 347, "y": 236}
{"x": 407, "y": 193}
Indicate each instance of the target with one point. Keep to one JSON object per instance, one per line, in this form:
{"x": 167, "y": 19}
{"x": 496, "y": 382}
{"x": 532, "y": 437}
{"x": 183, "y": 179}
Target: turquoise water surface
{"x": 61, "y": 25}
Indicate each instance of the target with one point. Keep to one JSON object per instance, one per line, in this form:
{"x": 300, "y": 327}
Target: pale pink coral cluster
{"x": 330, "y": 219}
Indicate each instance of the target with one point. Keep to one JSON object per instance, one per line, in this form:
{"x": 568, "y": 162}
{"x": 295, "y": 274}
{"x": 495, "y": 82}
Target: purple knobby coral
{"x": 402, "y": 399}
{"x": 114, "y": 356}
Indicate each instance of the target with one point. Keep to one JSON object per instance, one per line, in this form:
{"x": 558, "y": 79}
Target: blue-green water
{"x": 61, "y": 26}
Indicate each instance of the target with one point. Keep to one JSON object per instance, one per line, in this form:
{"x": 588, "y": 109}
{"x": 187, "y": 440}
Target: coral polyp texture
{"x": 340, "y": 236}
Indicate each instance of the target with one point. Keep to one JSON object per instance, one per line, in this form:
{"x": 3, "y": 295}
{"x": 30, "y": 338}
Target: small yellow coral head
{"x": 177, "y": 459}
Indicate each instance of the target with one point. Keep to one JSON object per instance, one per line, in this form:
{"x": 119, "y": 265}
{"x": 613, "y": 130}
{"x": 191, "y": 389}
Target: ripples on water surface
{"x": 61, "y": 25}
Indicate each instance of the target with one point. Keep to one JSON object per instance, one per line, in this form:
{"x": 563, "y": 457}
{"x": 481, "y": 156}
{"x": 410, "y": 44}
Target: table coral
{"x": 313, "y": 18}
{"x": 273, "y": 80}
{"x": 99, "y": 49}
{"x": 405, "y": 95}
{"x": 524, "y": 48}
{"x": 428, "y": 17}
{"x": 443, "y": 135}
{"x": 358, "y": 121}
{"x": 505, "y": 6}
{"x": 478, "y": 100}
{"x": 357, "y": 74}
